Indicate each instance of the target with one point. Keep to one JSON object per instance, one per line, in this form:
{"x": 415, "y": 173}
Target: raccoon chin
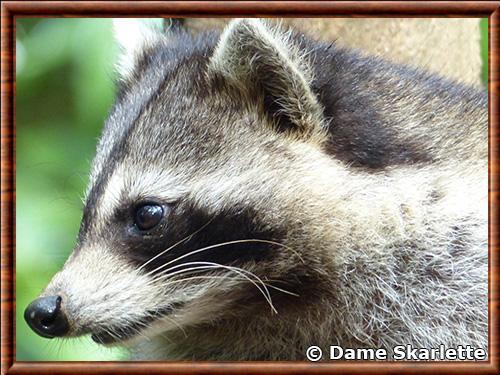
{"x": 110, "y": 339}
{"x": 120, "y": 335}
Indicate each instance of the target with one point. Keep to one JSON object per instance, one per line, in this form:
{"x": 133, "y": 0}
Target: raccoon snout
{"x": 45, "y": 317}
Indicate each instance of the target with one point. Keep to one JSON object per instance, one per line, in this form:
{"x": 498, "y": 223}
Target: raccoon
{"x": 256, "y": 192}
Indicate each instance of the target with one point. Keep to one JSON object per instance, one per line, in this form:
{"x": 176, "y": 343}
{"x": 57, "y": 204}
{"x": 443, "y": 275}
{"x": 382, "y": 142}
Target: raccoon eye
{"x": 148, "y": 216}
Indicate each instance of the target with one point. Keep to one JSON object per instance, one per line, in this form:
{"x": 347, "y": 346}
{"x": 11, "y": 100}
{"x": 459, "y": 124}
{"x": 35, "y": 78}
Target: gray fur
{"x": 372, "y": 176}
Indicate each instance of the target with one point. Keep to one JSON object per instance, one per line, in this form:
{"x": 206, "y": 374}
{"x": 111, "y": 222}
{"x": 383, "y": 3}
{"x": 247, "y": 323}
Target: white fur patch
{"x": 136, "y": 186}
{"x": 133, "y": 36}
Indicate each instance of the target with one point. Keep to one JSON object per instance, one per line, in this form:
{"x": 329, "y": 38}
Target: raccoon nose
{"x": 45, "y": 317}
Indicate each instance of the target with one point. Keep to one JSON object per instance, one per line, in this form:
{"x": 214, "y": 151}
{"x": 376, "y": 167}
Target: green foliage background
{"x": 64, "y": 88}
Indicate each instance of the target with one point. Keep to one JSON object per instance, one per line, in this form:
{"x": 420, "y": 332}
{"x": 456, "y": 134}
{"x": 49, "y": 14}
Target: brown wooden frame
{"x": 12, "y": 9}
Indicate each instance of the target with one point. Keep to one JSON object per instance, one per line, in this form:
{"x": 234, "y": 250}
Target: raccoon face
{"x": 205, "y": 175}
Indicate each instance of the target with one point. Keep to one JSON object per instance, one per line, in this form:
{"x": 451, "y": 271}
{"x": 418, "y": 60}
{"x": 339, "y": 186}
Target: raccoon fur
{"x": 448, "y": 46}
{"x": 256, "y": 192}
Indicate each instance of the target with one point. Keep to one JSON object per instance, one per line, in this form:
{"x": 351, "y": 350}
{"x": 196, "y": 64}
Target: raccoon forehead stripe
{"x": 124, "y": 117}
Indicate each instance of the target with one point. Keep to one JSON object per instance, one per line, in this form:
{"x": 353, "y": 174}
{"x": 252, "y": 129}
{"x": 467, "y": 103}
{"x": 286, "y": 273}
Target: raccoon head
{"x": 206, "y": 193}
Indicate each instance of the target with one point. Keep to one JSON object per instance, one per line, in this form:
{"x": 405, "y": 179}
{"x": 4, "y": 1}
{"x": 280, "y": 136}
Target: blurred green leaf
{"x": 64, "y": 88}
{"x": 484, "y": 49}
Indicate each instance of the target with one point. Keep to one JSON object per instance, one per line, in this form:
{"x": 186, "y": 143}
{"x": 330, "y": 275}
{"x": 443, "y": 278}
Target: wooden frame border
{"x": 12, "y": 9}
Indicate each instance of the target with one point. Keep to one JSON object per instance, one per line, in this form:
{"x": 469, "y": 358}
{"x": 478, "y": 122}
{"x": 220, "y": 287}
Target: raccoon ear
{"x": 263, "y": 62}
{"x": 133, "y": 36}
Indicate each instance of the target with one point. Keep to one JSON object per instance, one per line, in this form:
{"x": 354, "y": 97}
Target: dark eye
{"x": 148, "y": 216}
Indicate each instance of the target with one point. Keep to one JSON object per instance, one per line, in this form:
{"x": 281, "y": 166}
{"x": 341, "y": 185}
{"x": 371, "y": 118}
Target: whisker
{"x": 283, "y": 290}
{"x": 176, "y": 324}
{"x": 218, "y": 246}
{"x": 210, "y": 265}
{"x": 164, "y": 276}
{"x": 187, "y": 238}
{"x": 241, "y": 271}
{"x": 222, "y": 277}
{"x": 164, "y": 335}
{"x": 215, "y": 277}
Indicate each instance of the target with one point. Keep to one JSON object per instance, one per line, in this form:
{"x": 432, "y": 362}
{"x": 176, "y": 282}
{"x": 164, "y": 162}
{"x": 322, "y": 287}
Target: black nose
{"x": 45, "y": 317}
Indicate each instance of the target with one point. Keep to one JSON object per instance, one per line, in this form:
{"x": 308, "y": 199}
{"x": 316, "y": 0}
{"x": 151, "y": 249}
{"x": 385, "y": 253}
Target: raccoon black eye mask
{"x": 322, "y": 197}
